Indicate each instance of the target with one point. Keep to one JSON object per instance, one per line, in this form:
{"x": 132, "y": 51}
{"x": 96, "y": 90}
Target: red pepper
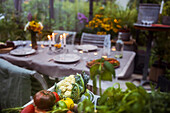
{"x": 29, "y": 109}
{"x": 56, "y": 96}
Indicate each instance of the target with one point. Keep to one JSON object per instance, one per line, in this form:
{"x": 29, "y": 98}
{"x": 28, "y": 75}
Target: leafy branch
{"x": 104, "y": 70}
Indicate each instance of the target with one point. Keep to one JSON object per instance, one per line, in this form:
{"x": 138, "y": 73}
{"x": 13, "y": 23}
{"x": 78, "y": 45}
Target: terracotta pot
{"x": 125, "y": 36}
{"x": 156, "y": 70}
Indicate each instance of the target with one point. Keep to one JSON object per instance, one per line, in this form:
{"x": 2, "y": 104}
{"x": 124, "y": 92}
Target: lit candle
{"x": 53, "y": 38}
{"x": 64, "y": 36}
{"x": 49, "y": 40}
{"x": 113, "y": 48}
{"x": 81, "y": 51}
{"x": 162, "y": 4}
{"x": 61, "y": 40}
{"x": 95, "y": 53}
{"x": 42, "y": 46}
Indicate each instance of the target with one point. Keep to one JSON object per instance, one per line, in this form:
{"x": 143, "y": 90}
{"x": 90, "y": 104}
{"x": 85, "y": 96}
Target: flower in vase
{"x": 34, "y": 26}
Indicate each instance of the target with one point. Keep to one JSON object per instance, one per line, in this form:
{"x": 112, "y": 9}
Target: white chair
{"x": 70, "y": 38}
{"x": 16, "y": 85}
{"x": 94, "y": 39}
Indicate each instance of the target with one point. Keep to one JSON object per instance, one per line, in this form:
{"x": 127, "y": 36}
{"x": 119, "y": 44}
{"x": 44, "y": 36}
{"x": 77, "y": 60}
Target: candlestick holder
{"x": 50, "y": 52}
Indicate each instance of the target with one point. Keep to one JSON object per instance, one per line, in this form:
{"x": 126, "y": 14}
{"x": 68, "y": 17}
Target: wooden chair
{"x": 70, "y": 38}
{"x": 16, "y": 85}
{"x": 94, "y": 39}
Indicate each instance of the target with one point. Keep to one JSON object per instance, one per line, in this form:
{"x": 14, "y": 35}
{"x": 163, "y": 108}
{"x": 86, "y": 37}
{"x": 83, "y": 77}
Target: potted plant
{"x": 127, "y": 17}
{"x": 166, "y": 13}
{"x": 160, "y": 57}
{"x": 164, "y": 82}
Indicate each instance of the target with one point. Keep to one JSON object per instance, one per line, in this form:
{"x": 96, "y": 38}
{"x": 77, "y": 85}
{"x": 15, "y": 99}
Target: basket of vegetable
{"x": 62, "y": 97}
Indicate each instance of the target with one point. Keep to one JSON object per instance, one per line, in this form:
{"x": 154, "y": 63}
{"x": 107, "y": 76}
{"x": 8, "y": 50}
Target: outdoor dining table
{"x": 43, "y": 62}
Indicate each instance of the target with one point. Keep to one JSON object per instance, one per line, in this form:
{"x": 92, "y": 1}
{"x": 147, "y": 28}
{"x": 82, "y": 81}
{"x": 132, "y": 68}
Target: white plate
{"x": 22, "y": 51}
{"x": 87, "y": 47}
{"x": 66, "y": 58}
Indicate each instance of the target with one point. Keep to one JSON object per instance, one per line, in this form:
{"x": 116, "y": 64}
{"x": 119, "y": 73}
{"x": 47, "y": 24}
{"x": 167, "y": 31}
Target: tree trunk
{"x": 17, "y": 4}
{"x": 51, "y": 10}
{"x": 91, "y": 10}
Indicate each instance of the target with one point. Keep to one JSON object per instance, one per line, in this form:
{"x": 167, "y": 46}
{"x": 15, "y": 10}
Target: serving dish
{"x": 22, "y": 51}
{"x": 113, "y": 61}
{"x": 87, "y": 47}
{"x": 66, "y": 58}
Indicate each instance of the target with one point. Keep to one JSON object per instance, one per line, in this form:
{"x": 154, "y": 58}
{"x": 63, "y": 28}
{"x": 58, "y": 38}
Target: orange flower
{"x": 115, "y": 20}
{"x": 118, "y": 26}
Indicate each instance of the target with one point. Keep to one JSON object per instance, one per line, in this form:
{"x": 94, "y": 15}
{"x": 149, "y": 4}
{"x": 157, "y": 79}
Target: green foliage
{"x": 160, "y": 51}
{"x": 132, "y": 100}
{"x": 11, "y": 27}
{"x": 167, "y": 74}
{"x": 127, "y": 16}
{"x": 86, "y": 106}
{"x": 66, "y": 14}
{"x": 166, "y": 9}
{"x": 79, "y": 87}
{"x": 105, "y": 72}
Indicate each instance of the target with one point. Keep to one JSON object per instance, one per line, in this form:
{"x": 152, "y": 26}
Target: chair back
{"x": 95, "y": 39}
{"x": 70, "y": 37}
{"x": 15, "y": 84}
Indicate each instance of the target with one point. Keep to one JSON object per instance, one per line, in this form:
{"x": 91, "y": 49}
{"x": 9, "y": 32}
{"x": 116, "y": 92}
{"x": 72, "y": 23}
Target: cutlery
{"x": 50, "y": 60}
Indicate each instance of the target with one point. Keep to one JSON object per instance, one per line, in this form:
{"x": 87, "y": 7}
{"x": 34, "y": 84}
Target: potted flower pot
{"x": 125, "y": 36}
{"x": 156, "y": 70}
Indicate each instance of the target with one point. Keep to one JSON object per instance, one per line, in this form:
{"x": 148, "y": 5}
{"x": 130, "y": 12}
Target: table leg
{"x": 147, "y": 55}
{"x": 147, "y": 58}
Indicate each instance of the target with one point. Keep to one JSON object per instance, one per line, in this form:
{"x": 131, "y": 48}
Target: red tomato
{"x": 29, "y": 109}
{"x": 56, "y": 96}
{"x": 44, "y": 100}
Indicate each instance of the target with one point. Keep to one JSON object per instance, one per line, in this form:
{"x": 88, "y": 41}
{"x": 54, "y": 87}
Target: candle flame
{"x": 42, "y": 45}
{"x": 49, "y": 37}
{"x": 95, "y": 53}
{"x": 61, "y": 37}
{"x": 30, "y": 44}
{"x": 104, "y": 56}
{"x": 81, "y": 51}
{"x": 65, "y": 34}
{"x": 113, "y": 49}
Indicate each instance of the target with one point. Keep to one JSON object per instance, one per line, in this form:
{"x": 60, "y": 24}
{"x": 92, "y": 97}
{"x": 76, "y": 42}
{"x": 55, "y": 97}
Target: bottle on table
{"x": 119, "y": 46}
{"x": 106, "y": 47}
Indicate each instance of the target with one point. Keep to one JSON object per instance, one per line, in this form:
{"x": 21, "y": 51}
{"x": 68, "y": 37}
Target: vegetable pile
{"x": 67, "y": 92}
{"x": 73, "y": 86}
